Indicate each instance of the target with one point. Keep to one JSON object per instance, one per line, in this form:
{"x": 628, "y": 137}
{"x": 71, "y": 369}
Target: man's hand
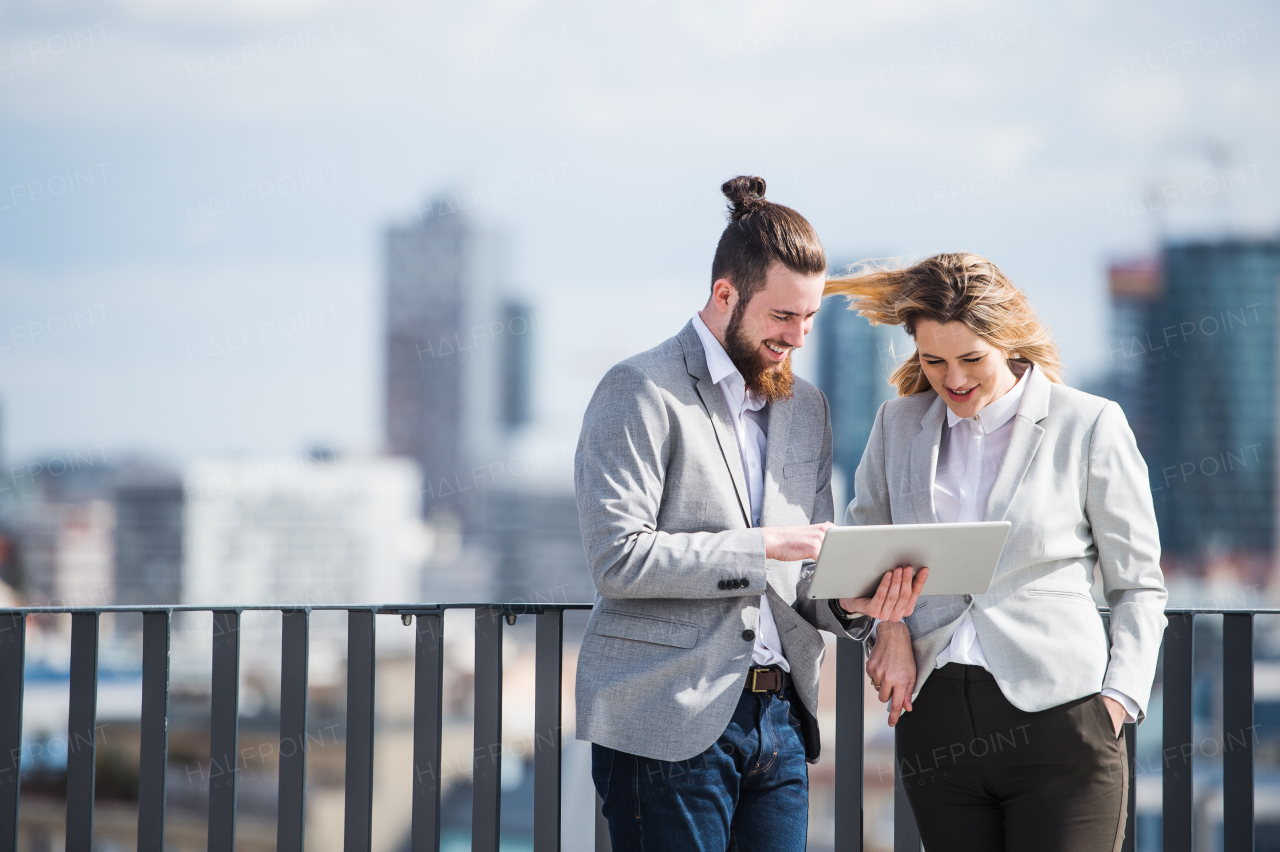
{"x": 895, "y": 598}
{"x": 791, "y": 544}
{"x": 892, "y": 667}
{"x": 1117, "y": 711}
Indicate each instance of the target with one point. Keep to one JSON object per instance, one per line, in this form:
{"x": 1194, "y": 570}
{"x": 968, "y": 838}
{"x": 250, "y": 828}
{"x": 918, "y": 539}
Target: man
{"x": 703, "y": 477}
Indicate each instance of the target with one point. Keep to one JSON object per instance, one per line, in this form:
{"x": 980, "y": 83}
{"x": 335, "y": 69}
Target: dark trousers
{"x": 748, "y": 792}
{"x": 982, "y": 775}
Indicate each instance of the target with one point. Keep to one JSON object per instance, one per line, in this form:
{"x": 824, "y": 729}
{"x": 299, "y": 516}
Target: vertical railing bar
{"x": 546, "y": 731}
{"x": 1176, "y": 819}
{"x": 153, "y": 752}
{"x": 294, "y": 653}
{"x": 1237, "y": 733}
{"x": 224, "y": 730}
{"x": 1131, "y": 806}
{"x": 850, "y": 682}
{"x": 358, "y": 830}
{"x": 906, "y": 834}
{"x": 486, "y": 803}
{"x": 12, "y": 659}
{"x": 428, "y": 693}
{"x": 81, "y": 731}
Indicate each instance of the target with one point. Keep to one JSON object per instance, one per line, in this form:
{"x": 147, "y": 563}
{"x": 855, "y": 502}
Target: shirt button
{"x": 722, "y": 585}
{"x": 746, "y": 584}
{"x": 749, "y": 635}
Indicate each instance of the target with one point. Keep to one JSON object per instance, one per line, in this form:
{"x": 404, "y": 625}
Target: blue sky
{"x": 172, "y": 174}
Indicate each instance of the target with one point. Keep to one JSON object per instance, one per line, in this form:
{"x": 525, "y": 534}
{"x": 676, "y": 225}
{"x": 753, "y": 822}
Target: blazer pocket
{"x": 1060, "y": 593}
{"x": 639, "y": 628}
{"x": 800, "y": 469}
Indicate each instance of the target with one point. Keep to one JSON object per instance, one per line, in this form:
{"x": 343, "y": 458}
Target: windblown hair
{"x": 761, "y": 232}
{"x": 945, "y": 288}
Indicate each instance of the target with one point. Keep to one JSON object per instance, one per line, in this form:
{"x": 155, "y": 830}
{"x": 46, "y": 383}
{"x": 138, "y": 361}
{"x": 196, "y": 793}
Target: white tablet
{"x": 961, "y": 558}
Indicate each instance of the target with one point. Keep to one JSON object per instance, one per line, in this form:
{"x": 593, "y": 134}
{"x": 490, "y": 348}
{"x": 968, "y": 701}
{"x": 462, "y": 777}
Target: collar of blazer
{"x": 1023, "y": 443}
{"x": 780, "y": 414}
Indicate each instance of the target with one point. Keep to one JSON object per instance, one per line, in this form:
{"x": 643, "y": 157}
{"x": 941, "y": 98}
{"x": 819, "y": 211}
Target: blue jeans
{"x": 748, "y": 792}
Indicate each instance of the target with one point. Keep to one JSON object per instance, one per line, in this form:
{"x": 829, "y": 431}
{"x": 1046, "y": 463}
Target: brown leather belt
{"x": 765, "y": 679}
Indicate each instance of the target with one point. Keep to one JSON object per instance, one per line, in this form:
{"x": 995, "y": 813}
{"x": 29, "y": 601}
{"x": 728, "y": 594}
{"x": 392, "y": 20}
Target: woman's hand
{"x": 892, "y": 667}
{"x": 894, "y": 599}
{"x": 1117, "y": 711}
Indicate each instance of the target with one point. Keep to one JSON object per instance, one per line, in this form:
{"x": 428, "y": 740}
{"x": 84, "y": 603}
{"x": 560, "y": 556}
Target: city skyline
{"x": 190, "y": 254}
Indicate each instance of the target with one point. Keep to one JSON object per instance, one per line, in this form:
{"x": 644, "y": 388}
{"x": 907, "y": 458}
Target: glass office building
{"x": 1199, "y": 352}
{"x": 855, "y": 360}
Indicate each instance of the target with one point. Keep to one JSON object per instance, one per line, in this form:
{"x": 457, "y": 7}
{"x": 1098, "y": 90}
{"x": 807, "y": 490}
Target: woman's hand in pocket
{"x": 1117, "y": 713}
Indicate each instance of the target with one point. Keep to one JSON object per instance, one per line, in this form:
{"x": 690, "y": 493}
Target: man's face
{"x": 763, "y": 331}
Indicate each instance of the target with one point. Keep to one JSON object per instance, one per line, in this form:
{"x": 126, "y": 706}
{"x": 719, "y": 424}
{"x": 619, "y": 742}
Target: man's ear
{"x": 724, "y": 295}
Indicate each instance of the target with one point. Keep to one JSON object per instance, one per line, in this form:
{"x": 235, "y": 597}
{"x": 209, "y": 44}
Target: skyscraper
{"x": 460, "y": 354}
{"x": 1198, "y": 347}
{"x": 1136, "y": 286}
{"x": 149, "y": 538}
{"x": 446, "y": 335}
{"x": 855, "y": 360}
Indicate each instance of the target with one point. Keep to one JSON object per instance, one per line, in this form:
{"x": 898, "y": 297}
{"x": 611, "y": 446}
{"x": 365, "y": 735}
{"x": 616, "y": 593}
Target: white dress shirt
{"x": 750, "y": 427}
{"x": 969, "y": 458}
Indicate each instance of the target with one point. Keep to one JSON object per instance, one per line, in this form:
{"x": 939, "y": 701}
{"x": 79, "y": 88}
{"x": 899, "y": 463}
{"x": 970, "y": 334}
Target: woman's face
{"x": 966, "y": 371}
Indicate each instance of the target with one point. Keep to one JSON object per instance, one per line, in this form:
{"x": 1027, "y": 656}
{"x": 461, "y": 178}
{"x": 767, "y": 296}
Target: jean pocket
{"x": 602, "y": 759}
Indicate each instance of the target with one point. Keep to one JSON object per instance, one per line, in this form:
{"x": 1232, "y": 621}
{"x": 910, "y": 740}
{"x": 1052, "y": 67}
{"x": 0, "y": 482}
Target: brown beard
{"x": 769, "y": 380}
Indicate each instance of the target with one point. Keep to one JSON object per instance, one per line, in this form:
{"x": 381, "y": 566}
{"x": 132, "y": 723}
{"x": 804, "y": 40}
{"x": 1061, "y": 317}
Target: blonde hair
{"x": 945, "y": 288}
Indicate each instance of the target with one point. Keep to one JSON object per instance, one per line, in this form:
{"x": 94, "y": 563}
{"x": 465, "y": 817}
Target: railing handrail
{"x": 1177, "y": 755}
{"x": 508, "y": 608}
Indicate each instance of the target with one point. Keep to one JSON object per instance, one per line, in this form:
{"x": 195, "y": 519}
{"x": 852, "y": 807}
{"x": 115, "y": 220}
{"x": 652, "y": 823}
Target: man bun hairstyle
{"x": 758, "y": 234}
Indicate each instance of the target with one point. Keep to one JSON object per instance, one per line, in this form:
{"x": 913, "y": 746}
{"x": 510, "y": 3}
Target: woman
{"x": 1014, "y": 739}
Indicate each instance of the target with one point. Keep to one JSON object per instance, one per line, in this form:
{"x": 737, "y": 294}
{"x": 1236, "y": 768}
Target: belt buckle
{"x": 755, "y": 678}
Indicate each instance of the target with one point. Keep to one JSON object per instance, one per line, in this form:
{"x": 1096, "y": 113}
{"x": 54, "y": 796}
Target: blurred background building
{"x": 855, "y": 360}
{"x": 303, "y": 531}
{"x": 459, "y": 389}
{"x": 446, "y": 353}
{"x": 1194, "y": 350}
{"x": 149, "y": 535}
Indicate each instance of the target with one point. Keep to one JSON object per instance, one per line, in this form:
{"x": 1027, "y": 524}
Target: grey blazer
{"x": 665, "y": 518}
{"x": 1075, "y": 489}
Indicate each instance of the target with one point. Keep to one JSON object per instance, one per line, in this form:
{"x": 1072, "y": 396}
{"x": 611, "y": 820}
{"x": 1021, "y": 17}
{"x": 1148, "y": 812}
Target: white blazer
{"x": 1075, "y": 488}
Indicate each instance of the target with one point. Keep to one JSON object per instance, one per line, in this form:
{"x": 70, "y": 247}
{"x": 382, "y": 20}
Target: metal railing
{"x": 157, "y": 623}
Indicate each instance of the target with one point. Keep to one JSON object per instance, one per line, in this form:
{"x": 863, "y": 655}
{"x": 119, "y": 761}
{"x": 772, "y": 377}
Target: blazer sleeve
{"x": 819, "y": 612}
{"x": 870, "y": 503}
{"x": 1119, "y": 508}
{"x": 619, "y": 474}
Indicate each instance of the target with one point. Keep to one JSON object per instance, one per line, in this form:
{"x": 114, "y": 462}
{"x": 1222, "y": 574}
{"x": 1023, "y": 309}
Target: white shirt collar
{"x": 721, "y": 367}
{"x": 999, "y": 412}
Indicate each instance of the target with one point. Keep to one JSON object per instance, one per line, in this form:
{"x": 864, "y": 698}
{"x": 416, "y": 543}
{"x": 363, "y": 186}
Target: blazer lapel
{"x": 718, "y": 411}
{"x": 924, "y": 462}
{"x": 775, "y": 462}
{"x": 1023, "y": 443}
